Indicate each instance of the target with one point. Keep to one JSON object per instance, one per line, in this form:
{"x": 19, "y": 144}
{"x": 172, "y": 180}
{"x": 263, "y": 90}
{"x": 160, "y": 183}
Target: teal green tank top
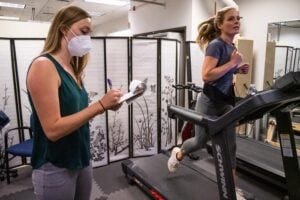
{"x": 73, "y": 150}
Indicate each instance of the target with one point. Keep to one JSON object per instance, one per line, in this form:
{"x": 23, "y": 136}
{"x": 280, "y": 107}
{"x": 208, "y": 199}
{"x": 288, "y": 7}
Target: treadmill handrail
{"x": 267, "y": 101}
{"x": 289, "y": 81}
{"x": 189, "y": 115}
{"x": 286, "y": 91}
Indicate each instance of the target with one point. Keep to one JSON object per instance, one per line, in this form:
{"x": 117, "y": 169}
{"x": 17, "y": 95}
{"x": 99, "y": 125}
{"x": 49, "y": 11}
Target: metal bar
{"x": 159, "y": 96}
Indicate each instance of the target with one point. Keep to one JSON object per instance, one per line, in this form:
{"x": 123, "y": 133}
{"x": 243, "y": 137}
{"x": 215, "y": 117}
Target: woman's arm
{"x": 43, "y": 82}
{"x": 209, "y": 70}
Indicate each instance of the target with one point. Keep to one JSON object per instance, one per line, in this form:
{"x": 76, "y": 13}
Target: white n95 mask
{"x": 79, "y": 45}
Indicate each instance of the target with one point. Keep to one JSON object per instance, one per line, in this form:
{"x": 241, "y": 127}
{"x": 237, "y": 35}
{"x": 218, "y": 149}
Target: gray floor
{"x": 109, "y": 184}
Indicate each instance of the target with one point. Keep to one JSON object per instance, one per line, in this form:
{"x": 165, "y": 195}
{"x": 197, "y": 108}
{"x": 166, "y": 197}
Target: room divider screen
{"x": 144, "y": 110}
{"x": 8, "y": 102}
{"x": 139, "y": 129}
{"x": 117, "y": 68}
{"x": 169, "y": 66}
{"x": 94, "y": 81}
{"x": 25, "y": 51}
{"x": 8, "y": 97}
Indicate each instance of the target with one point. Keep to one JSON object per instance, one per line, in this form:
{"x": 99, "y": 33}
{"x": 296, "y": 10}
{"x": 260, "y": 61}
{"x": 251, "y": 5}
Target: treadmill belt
{"x": 186, "y": 183}
{"x": 261, "y": 155}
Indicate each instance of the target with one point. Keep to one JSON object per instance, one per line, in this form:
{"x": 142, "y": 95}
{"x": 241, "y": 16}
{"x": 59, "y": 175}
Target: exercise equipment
{"x": 150, "y": 173}
{"x": 261, "y": 160}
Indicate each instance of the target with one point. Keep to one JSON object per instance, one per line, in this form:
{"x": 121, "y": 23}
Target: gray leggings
{"x": 54, "y": 183}
{"x": 205, "y": 106}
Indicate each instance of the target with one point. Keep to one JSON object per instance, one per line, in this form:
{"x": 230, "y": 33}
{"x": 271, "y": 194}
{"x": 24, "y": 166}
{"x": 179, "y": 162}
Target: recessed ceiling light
{"x": 12, "y": 5}
{"x": 9, "y": 18}
{"x": 110, "y": 2}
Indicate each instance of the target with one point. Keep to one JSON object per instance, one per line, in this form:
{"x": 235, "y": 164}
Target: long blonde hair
{"x": 208, "y": 30}
{"x": 63, "y": 20}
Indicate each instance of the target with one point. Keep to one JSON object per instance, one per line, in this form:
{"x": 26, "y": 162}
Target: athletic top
{"x": 220, "y": 90}
{"x": 222, "y": 51}
{"x": 73, "y": 150}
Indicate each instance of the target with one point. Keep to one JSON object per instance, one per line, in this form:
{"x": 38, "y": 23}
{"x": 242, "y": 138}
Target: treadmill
{"x": 261, "y": 160}
{"x": 151, "y": 173}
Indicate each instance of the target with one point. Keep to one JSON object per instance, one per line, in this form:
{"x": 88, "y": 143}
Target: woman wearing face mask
{"x": 221, "y": 61}
{"x": 60, "y": 110}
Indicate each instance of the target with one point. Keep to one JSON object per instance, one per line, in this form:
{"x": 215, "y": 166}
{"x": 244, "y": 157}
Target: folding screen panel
{"x": 168, "y": 78}
{"x": 8, "y": 98}
{"x": 118, "y": 121}
{"x": 94, "y": 82}
{"x": 26, "y": 51}
{"x": 196, "y": 58}
{"x": 7, "y": 94}
{"x": 144, "y": 109}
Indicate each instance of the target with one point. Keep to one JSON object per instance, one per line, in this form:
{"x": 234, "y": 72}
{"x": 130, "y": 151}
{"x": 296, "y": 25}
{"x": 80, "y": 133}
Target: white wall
{"x": 201, "y": 10}
{"x": 256, "y": 16}
{"x": 148, "y": 18}
{"x": 16, "y": 29}
{"x": 114, "y": 25}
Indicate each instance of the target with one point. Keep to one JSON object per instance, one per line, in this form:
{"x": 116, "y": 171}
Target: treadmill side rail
{"x": 289, "y": 154}
{"x": 132, "y": 177}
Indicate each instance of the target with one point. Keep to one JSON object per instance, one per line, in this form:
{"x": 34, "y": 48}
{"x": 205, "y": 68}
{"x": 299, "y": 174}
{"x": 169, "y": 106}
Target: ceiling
{"x": 44, "y": 10}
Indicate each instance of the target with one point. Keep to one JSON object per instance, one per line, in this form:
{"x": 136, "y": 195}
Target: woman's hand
{"x": 236, "y": 58}
{"x": 116, "y": 107}
{"x": 111, "y": 99}
{"x": 243, "y": 69}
